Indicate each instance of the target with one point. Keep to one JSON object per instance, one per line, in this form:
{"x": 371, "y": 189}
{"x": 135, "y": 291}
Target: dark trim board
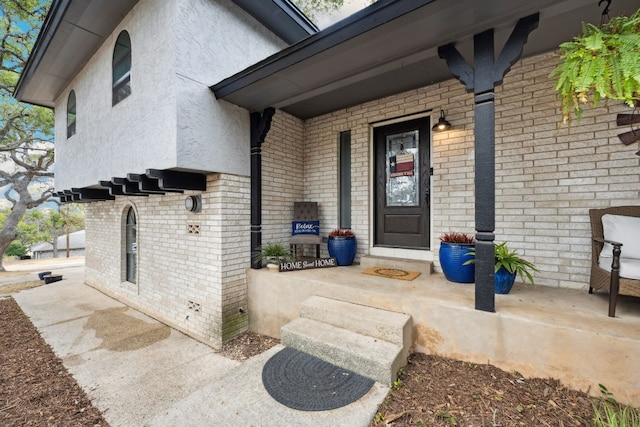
{"x": 359, "y": 23}
{"x": 155, "y": 181}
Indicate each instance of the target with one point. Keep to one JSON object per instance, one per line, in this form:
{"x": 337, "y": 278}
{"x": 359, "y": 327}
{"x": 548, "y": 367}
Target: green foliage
{"x": 47, "y": 224}
{"x": 448, "y": 417}
{"x": 312, "y": 7}
{"x": 609, "y": 413}
{"x": 509, "y": 260}
{"x": 26, "y": 131}
{"x": 16, "y": 249}
{"x": 602, "y": 63}
{"x": 272, "y": 251}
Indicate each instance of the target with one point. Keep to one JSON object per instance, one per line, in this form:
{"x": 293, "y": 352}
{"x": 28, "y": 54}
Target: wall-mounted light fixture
{"x": 442, "y": 124}
{"x": 193, "y": 203}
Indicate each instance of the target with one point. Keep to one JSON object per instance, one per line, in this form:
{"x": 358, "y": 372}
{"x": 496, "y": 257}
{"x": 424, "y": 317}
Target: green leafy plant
{"x": 455, "y": 237}
{"x": 448, "y": 417}
{"x": 602, "y": 63}
{"x": 609, "y": 413}
{"x": 272, "y": 252}
{"x": 509, "y": 260}
{"x": 16, "y": 249}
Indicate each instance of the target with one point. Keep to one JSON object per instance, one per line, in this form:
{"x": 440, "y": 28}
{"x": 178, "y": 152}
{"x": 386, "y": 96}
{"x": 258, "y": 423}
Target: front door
{"x": 402, "y": 170}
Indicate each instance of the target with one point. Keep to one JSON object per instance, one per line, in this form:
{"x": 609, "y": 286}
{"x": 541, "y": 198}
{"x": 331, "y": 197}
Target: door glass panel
{"x": 403, "y": 186}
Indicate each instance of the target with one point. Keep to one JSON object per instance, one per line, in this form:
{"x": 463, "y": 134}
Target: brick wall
{"x": 547, "y": 177}
{"x": 547, "y": 174}
{"x": 282, "y": 177}
{"x": 191, "y": 266}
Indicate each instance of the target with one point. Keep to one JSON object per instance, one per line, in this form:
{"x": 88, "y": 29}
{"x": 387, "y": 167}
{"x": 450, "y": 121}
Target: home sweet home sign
{"x": 308, "y": 264}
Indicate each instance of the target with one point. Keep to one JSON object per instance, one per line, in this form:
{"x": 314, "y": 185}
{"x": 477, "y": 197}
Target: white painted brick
{"x": 174, "y": 268}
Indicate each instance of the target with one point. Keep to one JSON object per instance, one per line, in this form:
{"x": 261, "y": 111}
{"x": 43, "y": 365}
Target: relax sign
{"x": 308, "y": 263}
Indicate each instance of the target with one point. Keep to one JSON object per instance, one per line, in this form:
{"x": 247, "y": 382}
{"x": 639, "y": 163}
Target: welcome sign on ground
{"x": 308, "y": 264}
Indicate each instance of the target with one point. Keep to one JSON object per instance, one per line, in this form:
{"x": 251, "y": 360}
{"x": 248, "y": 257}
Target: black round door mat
{"x": 301, "y": 381}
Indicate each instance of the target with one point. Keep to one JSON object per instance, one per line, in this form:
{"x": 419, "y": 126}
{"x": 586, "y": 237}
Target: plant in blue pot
{"x": 454, "y": 256}
{"x": 508, "y": 265}
{"x": 342, "y": 245}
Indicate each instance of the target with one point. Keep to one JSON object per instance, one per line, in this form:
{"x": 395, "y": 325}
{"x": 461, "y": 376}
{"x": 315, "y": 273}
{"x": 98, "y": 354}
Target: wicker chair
{"x": 305, "y": 211}
{"x": 601, "y": 278}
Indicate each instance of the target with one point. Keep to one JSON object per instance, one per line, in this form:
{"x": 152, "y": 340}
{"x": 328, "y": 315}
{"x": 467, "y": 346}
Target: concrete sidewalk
{"x": 140, "y": 372}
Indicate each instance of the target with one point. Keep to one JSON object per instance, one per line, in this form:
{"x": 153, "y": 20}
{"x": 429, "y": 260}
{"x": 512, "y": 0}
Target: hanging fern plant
{"x": 602, "y": 63}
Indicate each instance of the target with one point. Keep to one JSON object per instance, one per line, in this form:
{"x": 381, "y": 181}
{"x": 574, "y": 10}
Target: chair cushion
{"x": 305, "y": 239}
{"x": 629, "y": 267}
{"x": 623, "y": 229}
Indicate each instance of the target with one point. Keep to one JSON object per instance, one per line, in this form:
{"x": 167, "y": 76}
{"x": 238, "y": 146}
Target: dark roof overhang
{"x": 282, "y": 17}
{"x": 392, "y": 46}
{"x": 72, "y": 32}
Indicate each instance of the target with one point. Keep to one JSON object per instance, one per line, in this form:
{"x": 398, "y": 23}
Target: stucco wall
{"x": 547, "y": 174}
{"x": 218, "y": 40}
{"x": 171, "y": 119}
{"x": 140, "y": 131}
{"x": 191, "y": 266}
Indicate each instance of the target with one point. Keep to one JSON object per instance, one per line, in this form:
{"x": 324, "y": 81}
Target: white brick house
{"x": 189, "y": 268}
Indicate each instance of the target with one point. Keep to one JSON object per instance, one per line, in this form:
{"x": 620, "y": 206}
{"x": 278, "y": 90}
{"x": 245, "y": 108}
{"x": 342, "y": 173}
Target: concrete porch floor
{"x": 538, "y": 331}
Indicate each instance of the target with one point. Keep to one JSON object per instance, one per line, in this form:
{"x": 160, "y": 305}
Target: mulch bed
{"x": 35, "y": 388}
{"x": 437, "y": 391}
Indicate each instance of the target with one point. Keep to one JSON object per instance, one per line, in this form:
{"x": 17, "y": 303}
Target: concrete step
{"x": 369, "y": 341}
{"x": 370, "y": 357}
{"x": 381, "y": 324}
{"x": 424, "y": 267}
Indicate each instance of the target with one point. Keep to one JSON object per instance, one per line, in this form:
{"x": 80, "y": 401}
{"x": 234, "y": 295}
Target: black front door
{"x": 402, "y": 170}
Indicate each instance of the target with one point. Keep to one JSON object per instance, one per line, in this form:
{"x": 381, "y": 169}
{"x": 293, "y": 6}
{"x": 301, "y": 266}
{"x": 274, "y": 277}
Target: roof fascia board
{"x": 296, "y": 14}
{"x": 359, "y": 23}
{"x": 51, "y": 23}
{"x": 281, "y": 17}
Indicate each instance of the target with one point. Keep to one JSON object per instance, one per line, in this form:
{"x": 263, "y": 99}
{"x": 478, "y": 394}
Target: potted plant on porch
{"x": 508, "y": 265}
{"x": 272, "y": 255}
{"x": 602, "y": 63}
{"x": 453, "y": 255}
{"x": 342, "y": 245}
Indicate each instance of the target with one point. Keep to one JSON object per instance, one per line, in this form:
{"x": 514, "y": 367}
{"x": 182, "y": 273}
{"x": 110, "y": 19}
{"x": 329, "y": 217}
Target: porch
{"x": 538, "y": 331}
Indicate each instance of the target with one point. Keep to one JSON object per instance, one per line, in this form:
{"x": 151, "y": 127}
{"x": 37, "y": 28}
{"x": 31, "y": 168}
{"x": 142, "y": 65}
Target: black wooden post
{"x": 260, "y": 125}
{"x": 482, "y": 79}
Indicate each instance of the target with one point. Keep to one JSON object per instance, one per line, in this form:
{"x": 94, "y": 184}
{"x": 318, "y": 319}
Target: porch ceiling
{"x": 391, "y": 46}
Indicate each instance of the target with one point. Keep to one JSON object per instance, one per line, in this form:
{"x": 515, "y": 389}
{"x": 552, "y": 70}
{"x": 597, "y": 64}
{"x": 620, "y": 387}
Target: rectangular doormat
{"x": 391, "y": 273}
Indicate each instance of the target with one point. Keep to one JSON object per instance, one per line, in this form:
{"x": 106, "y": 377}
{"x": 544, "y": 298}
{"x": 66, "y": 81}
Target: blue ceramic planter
{"x": 504, "y": 280}
{"x": 342, "y": 248}
{"x": 452, "y": 258}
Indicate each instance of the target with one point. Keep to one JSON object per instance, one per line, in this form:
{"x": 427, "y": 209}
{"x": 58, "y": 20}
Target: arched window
{"x": 131, "y": 246}
{"x": 71, "y": 114}
{"x": 122, "y": 68}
